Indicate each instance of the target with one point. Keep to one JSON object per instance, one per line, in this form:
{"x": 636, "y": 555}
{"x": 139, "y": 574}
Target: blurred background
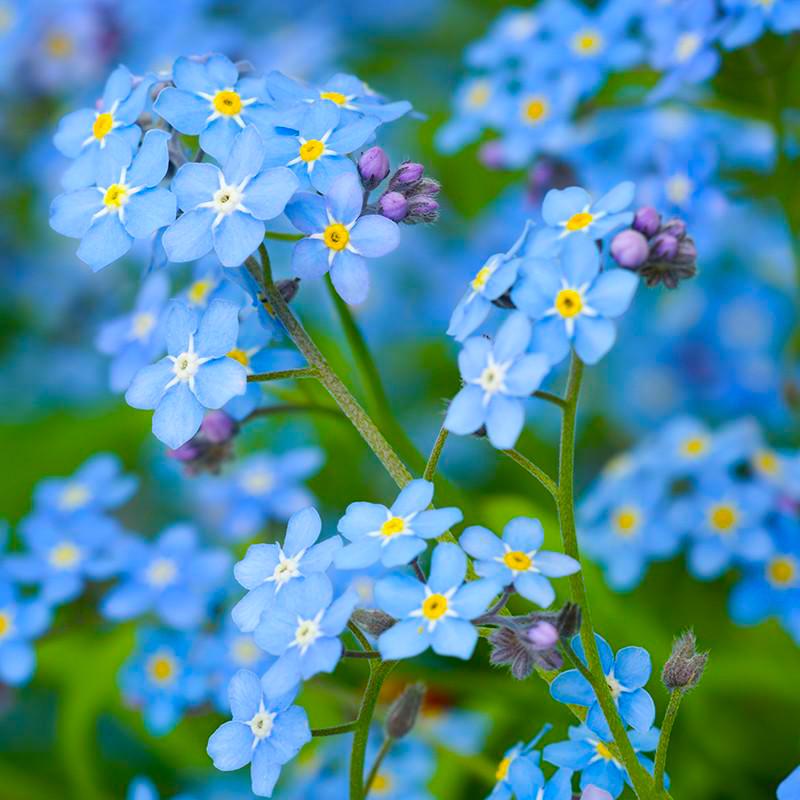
{"x": 721, "y": 152}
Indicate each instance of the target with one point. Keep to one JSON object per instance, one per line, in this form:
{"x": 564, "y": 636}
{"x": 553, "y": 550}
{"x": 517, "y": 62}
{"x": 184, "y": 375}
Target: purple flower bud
{"x": 422, "y": 209}
{"x": 542, "y": 635}
{"x": 647, "y": 221}
{"x": 407, "y": 174}
{"x": 664, "y": 247}
{"x": 373, "y": 167}
{"x": 429, "y": 186}
{"x": 218, "y": 427}
{"x": 630, "y": 249}
{"x": 186, "y": 452}
{"x": 492, "y": 155}
{"x": 675, "y": 227}
{"x": 394, "y": 206}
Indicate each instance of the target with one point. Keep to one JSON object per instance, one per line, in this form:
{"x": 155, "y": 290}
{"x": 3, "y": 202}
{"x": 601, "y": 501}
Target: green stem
{"x": 663, "y": 740}
{"x": 377, "y": 675}
{"x": 284, "y": 237}
{"x": 327, "y": 377}
{"x": 361, "y": 654}
{"x": 566, "y": 514}
{"x": 376, "y": 765}
{"x": 533, "y": 469}
{"x": 281, "y": 374}
{"x": 550, "y": 398}
{"x": 359, "y": 634}
{"x": 335, "y": 730}
{"x": 436, "y": 452}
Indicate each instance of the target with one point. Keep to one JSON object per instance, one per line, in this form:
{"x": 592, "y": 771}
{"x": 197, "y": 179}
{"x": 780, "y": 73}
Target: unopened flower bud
{"x": 674, "y": 227}
{"x": 630, "y": 249}
{"x": 218, "y": 427}
{"x": 288, "y": 287}
{"x": 542, "y": 635}
{"x": 408, "y": 173}
{"x": 394, "y": 206}
{"x": 427, "y": 186}
{"x": 422, "y": 209}
{"x": 210, "y": 447}
{"x": 685, "y": 666}
{"x": 372, "y": 621}
{"x": 404, "y": 711}
{"x": 664, "y": 247}
{"x": 373, "y": 167}
{"x": 568, "y": 620}
{"x": 647, "y": 221}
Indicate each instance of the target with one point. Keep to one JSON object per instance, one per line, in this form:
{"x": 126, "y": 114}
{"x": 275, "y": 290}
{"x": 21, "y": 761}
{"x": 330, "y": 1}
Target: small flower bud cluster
{"x": 404, "y": 711}
{"x": 685, "y": 666}
{"x": 210, "y": 447}
{"x": 410, "y": 196}
{"x": 660, "y": 253}
{"x": 523, "y": 643}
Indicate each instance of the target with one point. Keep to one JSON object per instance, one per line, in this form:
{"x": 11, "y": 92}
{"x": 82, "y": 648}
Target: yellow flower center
{"x": 334, "y": 97}
{"x": 59, "y": 45}
{"x": 393, "y": 526}
{"x": 161, "y": 667}
{"x": 535, "y": 109}
{"x": 199, "y": 291}
{"x": 478, "y": 94}
{"x": 245, "y": 651}
{"x": 336, "y": 236}
{"x": 782, "y": 571}
{"x": 695, "y": 446}
{"x": 502, "y": 769}
{"x": 64, "y": 555}
{"x": 74, "y": 496}
{"x": 579, "y": 221}
{"x": 517, "y": 560}
{"x": 237, "y": 354}
{"x": 626, "y": 521}
{"x": 686, "y": 46}
{"x": 723, "y": 517}
{"x": 603, "y": 752}
{"x": 116, "y": 195}
{"x": 479, "y": 281}
{"x": 5, "y": 623}
{"x": 381, "y": 783}
{"x": 434, "y": 607}
{"x": 227, "y": 102}
{"x": 311, "y": 150}
{"x": 767, "y": 462}
{"x": 569, "y": 303}
{"x": 102, "y": 125}
{"x": 587, "y": 42}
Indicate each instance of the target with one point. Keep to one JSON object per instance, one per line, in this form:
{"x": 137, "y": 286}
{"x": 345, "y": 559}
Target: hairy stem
{"x": 280, "y": 374}
{"x": 663, "y": 740}
{"x": 436, "y": 452}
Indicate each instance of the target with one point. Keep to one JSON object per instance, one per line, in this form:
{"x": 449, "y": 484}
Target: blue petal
{"x": 472, "y": 599}
{"x": 580, "y": 260}
{"x": 149, "y": 210}
{"x": 310, "y": 259}
{"x": 454, "y": 637}
{"x": 402, "y": 550}
{"x": 512, "y": 338}
{"x": 246, "y": 156}
{"x": 218, "y": 329}
{"x": 185, "y": 111}
{"x": 194, "y": 184}
{"x": 148, "y": 385}
{"x": 189, "y": 237}
{"x": 618, "y": 199}
{"x": 535, "y": 588}
{"x": 268, "y": 193}
{"x": 573, "y": 755}
{"x": 231, "y": 746}
{"x": 358, "y": 555}
{"x": 594, "y": 337}
{"x": 523, "y": 533}
{"x": 71, "y": 214}
{"x": 307, "y": 212}
{"x": 104, "y": 242}
{"x": 448, "y": 567}
{"x": 632, "y": 667}
{"x": 218, "y": 381}
{"x": 177, "y": 417}
{"x": 481, "y": 543}
{"x": 73, "y": 130}
{"x": 302, "y": 531}
{"x": 435, "y": 522}
{"x": 264, "y": 774}
{"x": 236, "y": 237}
{"x": 504, "y": 421}
{"x": 405, "y": 639}
{"x": 571, "y": 687}
{"x": 399, "y": 595}
{"x": 560, "y": 204}
{"x": 556, "y": 565}
{"x": 350, "y": 277}
{"x": 637, "y": 709}
{"x": 345, "y": 199}
{"x": 361, "y": 518}
{"x": 151, "y": 162}
{"x": 466, "y": 412}
{"x": 415, "y": 496}
{"x": 244, "y": 693}
{"x": 612, "y": 292}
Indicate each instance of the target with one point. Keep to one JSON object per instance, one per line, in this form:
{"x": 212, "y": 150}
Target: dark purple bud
{"x": 685, "y": 666}
{"x": 630, "y": 249}
{"x": 675, "y": 227}
{"x": 542, "y": 635}
{"x": 373, "y": 167}
{"x": 408, "y": 173}
{"x": 422, "y": 209}
{"x": 186, "y": 452}
{"x": 664, "y": 247}
{"x": 647, "y": 221}
{"x": 288, "y": 287}
{"x": 394, "y": 206}
{"x": 218, "y": 427}
{"x": 687, "y": 252}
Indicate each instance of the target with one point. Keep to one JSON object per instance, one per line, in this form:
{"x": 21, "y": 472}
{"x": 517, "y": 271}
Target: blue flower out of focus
{"x": 303, "y": 629}
{"x": 746, "y": 20}
{"x": 267, "y": 568}
{"x": 573, "y": 302}
{"x": 101, "y": 139}
{"x": 21, "y": 621}
{"x": 395, "y": 535}
{"x": 224, "y": 209}
{"x": 498, "y": 376}
{"x": 517, "y": 560}
{"x": 266, "y": 731}
{"x": 125, "y": 203}
{"x": 338, "y": 239}
{"x": 195, "y": 375}
{"x": 209, "y": 99}
{"x": 626, "y": 675}
{"x": 435, "y": 614}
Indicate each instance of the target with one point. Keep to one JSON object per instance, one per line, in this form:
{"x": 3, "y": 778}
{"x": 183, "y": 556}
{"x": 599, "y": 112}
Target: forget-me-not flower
{"x": 435, "y": 614}
{"x": 395, "y": 535}
{"x": 224, "y": 209}
{"x": 747, "y": 20}
{"x": 21, "y": 621}
{"x": 196, "y": 374}
{"x": 497, "y": 377}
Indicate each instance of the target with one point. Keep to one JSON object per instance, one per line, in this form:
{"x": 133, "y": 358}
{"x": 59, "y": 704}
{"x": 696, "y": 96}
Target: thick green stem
{"x": 377, "y": 675}
{"x": 335, "y": 730}
{"x": 663, "y": 740}
{"x": 641, "y": 781}
{"x": 376, "y": 765}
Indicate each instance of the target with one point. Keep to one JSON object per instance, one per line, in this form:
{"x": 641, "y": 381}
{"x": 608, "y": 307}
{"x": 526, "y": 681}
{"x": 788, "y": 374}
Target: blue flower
{"x": 303, "y": 629}
{"x": 171, "y": 576}
{"x": 125, "y": 203}
{"x": 136, "y": 338}
{"x": 21, "y": 621}
{"x": 266, "y": 731}
{"x": 517, "y": 559}
{"x": 491, "y": 281}
{"x": 209, "y": 99}
{"x": 224, "y": 209}
{"x": 103, "y": 138}
{"x": 162, "y": 679}
{"x": 352, "y": 96}
{"x": 195, "y": 375}
{"x": 497, "y": 376}
{"x": 64, "y": 553}
{"x": 589, "y": 753}
{"x": 97, "y": 485}
{"x": 790, "y": 786}
{"x": 748, "y": 20}
{"x": 435, "y": 614}
{"x": 626, "y": 675}
{"x": 268, "y": 568}
{"x": 395, "y": 535}
{"x": 318, "y": 152}
{"x": 338, "y": 238}
{"x": 772, "y": 589}
{"x": 573, "y": 302}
